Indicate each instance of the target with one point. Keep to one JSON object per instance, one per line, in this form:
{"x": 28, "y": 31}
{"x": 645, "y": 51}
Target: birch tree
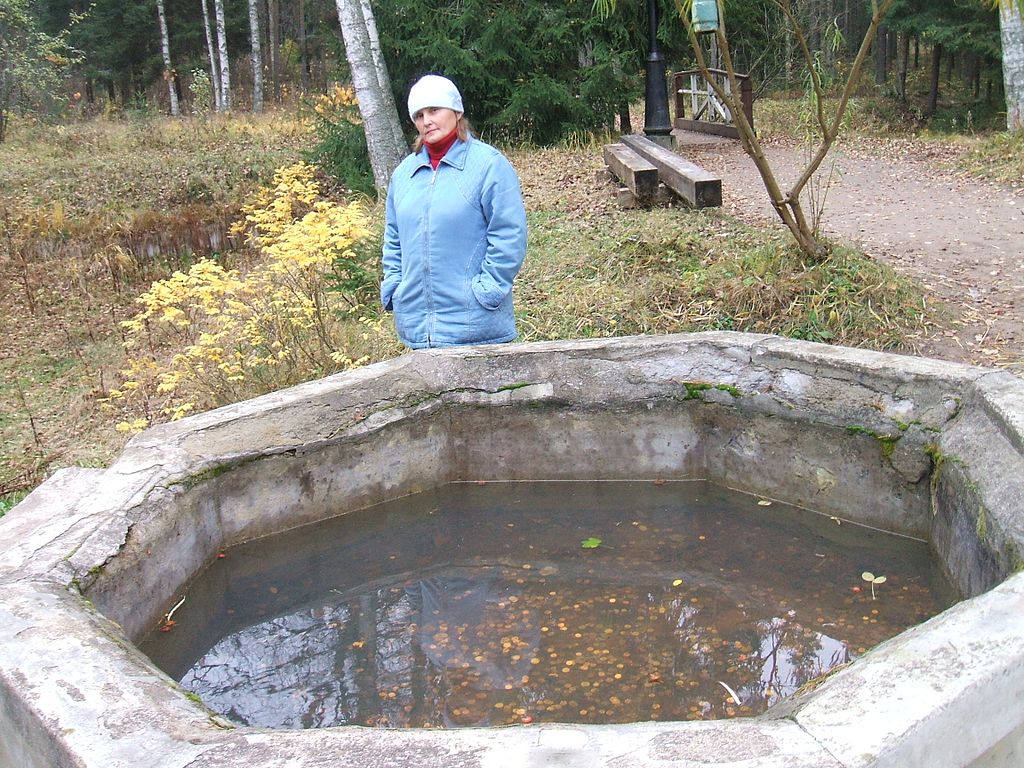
{"x": 274, "y": 47}
{"x": 222, "y": 50}
{"x": 382, "y": 71}
{"x": 380, "y": 116}
{"x": 218, "y": 99}
{"x": 300, "y": 18}
{"x": 1011, "y": 26}
{"x": 165, "y": 47}
{"x": 257, "y": 57}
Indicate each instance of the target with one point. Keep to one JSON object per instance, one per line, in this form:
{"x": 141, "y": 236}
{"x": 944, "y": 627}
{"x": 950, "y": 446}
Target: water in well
{"x": 499, "y": 603}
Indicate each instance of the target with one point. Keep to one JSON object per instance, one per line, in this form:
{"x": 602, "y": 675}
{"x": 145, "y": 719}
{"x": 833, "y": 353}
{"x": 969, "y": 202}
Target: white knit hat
{"x": 434, "y": 91}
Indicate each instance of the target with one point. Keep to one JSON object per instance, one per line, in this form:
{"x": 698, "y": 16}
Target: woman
{"x": 455, "y": 232}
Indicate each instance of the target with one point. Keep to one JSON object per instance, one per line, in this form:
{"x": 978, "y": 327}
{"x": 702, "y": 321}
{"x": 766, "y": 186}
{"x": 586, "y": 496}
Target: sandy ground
{"x": 961, "y": 237}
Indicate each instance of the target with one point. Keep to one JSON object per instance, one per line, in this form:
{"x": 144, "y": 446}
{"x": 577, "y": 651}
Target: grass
{"x": 999, "y": 157}
{"x": 116, "y": 168}
{"x": 8, "y": 501}
{"x": 596, "y": 270}
{"x": 91, "y": 191}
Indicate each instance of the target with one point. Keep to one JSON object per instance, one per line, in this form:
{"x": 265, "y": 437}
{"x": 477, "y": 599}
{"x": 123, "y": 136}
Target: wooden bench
{"x": 642, "y": 166}
{"x": 640, "y": 176}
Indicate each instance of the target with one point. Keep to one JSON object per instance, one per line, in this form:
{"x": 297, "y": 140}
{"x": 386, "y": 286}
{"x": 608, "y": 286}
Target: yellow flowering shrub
{"x": 338, "y": 103}
{"x": 211, "y": 335}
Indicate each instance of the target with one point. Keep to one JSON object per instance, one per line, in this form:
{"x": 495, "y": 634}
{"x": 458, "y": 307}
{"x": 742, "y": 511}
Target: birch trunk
{"x": 257, "y": 57}
{"x": 382, "y": 70}
{"x": 303, "y": 47}
{"x": 274, "y": 46}
{"x": 380, "y": 117}
{"x": 165, "y": 47}
{"x": 214, "y": 75}
{"x": 1011, "y": 25}
{"x": 222, "y": 50}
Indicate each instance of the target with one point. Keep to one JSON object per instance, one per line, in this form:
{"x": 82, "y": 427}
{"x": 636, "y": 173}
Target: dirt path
{"x": 961, "y": 237}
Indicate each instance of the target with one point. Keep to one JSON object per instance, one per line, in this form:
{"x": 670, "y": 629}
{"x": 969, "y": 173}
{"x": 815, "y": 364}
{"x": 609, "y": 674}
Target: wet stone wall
{"x": 91, "y": 560}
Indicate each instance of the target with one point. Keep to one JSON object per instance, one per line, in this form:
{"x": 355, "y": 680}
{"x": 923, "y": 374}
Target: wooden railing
{"x": 707, "y": 113}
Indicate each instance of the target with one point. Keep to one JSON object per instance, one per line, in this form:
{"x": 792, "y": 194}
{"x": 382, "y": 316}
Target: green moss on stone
{"x": 694, "y": 388}
{"x": 887, "y": 443}
{"x": 517, "y": 385}
{"x": 888, "y": 446}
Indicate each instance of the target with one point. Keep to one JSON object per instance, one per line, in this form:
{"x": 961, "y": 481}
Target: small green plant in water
{"x": 591, "y": 543}
{"x": 869, "y": 577}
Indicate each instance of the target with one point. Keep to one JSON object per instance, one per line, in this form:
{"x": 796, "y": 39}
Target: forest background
{"x": 188, "y": 213}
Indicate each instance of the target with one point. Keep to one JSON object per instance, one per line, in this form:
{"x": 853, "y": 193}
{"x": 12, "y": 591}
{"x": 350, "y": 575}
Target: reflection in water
{"x": 476, "y": 605}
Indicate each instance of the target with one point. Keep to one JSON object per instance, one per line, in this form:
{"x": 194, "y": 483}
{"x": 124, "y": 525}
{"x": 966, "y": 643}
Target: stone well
{"x": 93, "y": 558}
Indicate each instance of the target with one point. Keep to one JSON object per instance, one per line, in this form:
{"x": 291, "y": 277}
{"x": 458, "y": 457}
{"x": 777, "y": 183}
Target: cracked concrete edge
{"x": 909, "y": 694}
{"x": 331, "y": 408}
{"x": 58, "y": 526}
{"x": 987, "y": 442}
{"x": 95, "y": 696}
{"x": 1001, "y": 394}
{"x": 777, "y": 744}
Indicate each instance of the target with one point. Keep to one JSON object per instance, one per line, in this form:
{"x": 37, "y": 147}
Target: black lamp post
{"x": 657, "y": 124}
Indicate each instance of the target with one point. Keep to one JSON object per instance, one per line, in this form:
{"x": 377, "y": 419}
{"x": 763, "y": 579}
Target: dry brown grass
{"x": 596, "y": 270}
{"x": 592, "y": 269}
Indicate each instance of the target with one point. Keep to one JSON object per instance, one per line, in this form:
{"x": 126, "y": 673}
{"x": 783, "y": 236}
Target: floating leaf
{"x": 677, "y": 582}
{"x": 591, "y": 543}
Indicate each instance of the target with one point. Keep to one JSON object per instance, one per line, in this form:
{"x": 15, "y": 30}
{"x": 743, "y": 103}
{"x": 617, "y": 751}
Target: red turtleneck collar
{"x": 438, "y": 149}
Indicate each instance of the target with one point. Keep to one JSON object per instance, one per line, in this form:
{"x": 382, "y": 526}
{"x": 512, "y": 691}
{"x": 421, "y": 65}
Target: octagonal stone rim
{"x": 58, "y": 541}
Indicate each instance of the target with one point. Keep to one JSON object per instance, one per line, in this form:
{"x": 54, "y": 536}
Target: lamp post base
{"x": 666, "y": 140}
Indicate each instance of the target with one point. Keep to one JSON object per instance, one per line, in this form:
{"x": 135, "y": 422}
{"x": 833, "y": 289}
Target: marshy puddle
{"x": 505, "y": 603}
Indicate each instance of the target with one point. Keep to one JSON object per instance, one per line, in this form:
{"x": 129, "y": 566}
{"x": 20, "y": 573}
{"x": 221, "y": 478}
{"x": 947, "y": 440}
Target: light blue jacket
{"x": 454, "y": 240}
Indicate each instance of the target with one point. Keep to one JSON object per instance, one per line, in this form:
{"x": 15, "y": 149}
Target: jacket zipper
{"x": 430, "y": 274}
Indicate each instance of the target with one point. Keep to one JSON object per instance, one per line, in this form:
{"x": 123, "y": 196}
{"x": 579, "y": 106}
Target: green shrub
{"x": 341, "y": 151}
